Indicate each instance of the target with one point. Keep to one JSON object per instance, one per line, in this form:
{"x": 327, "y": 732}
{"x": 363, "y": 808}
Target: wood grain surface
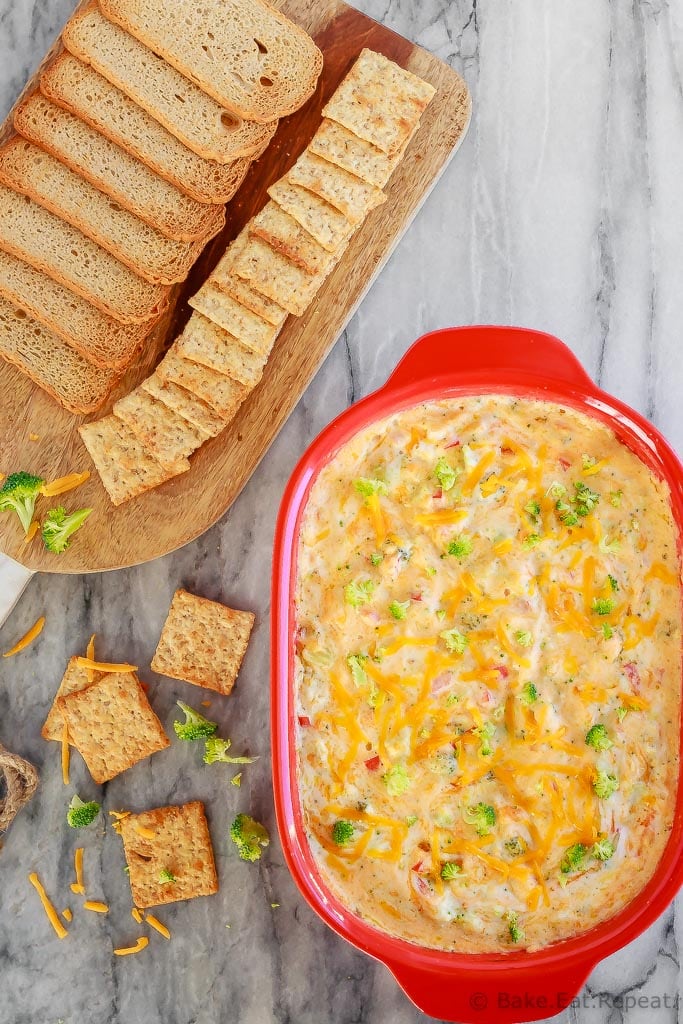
{"x": 174, "y": 514}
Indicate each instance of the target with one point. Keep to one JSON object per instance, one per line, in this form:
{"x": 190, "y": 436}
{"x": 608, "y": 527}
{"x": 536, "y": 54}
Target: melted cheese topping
{"x": 488, "y": 665}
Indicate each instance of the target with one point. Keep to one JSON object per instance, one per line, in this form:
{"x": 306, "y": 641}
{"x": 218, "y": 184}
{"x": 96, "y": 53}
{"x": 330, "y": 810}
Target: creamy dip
{"x": 488, "y": 667}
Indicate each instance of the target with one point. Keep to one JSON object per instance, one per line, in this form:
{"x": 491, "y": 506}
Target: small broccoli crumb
{"x": 249, "y": 836}
{"x": 482, "y": 816}
{"x": 597, "y": 738}
{"x": 524, "y": 638}
{"x": 195, "y": 726}
{"x": 515, "y": 932}
{"x": 367, "y": 487}
{"x": 456, "y": 642}
{"x": 376, "y": 557}
{"x": 399, "y": 609}
{"x": 216, "y": 749}
{"x": 397, "y": 780}
{"x": 603, "y": 849}
{"x": 605, "y": 785}
{"x": 531, "y": 541}
{"x": 358, "y": 592}
{"x": 411, "y": 820}
{"x": 356, "y": 667}
{"x": 450, "y": 870}
{"x": 603, "y": 605}
{"x": 81, "y": 814}
{"x": 166, "y": 876}
{"x": 461, "y": 546}
{"x": 485, "y": 732}
{"x": 529, "y": 694}
{"x": 515, "y": 846}
{"x": 342, "y": 832}
{"x": 573, "y": 858}
{"x": 445, "y": 474}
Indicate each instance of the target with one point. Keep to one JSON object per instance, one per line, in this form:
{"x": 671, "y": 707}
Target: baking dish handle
{"x": 506, "y": 996}
{"x": 467, "y": 351}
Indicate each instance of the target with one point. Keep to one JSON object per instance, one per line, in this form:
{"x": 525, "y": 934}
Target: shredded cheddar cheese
{"x": 49, "y": 909}
{"x": 96, "y": 907}
{"x": 103, "y": 666}
{"x": 155, "y": 923}
{"x": 28, "y": 638}
{"x": 78, "y": 886}
{"x": 137, "y": 915}
{"x": 67, "y": 915}
{"x": 141, "y": 944}
{"x": 32, "y": 531}
{"x": 64, "y": 484}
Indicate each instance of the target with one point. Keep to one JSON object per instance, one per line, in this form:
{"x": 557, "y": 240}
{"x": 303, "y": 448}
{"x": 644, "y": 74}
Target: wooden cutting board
{"x": 170, "y": 516}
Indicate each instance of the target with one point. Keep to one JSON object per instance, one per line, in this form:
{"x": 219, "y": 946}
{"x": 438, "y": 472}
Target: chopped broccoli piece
{"x": 557, "y": 490}
{"x": 485, "y": 733}
{"x": 515, "y": 846}
{"x": 585, "y": 499}
{"x": 605, "y": 784}
{"x": 603, "y": 605}
{"x": 482, "y": 816}
{"x": 607, "y": 546}
{"x": 445, "y": 474}
{"x": 449, "y": 870}
{"x": 615, "y": 498}
{"x": 456, "y": 642}
{"x": 359, "y": 592}
{"x": 587, "y": 461}
{"x": 607, "y": 631}
{"x": 80, "y": 813}
{"x": 515, "y": 931}
{"x": 368, "y": 487}
{"x": 603, "y": 849}
{"x": 399, "y": 609}
{"x": 216, "y": 749}
{"x": 567, "y": 514}
{"x": 531, "y": 541}
{"x": 452, "y": 698}
{"x": 376, "y": 557}
{"x": 166, "y": 876}
{"x": 524, "y": 638}
{"x": 358, "y": 673}
{"x": 597, "y": 738}
{"x": 60, "y": 525}
{"x": 411, "y": 820}
{"x": 19, "y": 494}
{"x": 461, "y": 546}
{"x": 613, "y": 582}
{"x": 529, "y": 694}
{"x": 533, "y": 509}
{"x": 397, "y": 780}
{"x": 249, "y": 836}
{"x": 573, "y": 858}
{"x": 342, "y": 832}
{"x": 195, "y": 726}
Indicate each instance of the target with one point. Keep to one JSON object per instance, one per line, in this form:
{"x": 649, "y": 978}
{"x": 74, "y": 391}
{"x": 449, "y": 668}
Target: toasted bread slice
{"x": 50, "y": 363}
{"x": 159, "y": 259}
{"x": 188, "y": 113}
{"x": 244, "y": 53}
{"x": 85, "y": 93}
{"x": 64, "y": 253}
{"x": 102, "y": 340}
{"x": 114, "y": 171}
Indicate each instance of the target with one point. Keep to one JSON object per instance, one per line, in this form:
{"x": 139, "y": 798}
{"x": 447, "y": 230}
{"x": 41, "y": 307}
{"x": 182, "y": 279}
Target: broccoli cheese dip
{"x": 488, "y": 665}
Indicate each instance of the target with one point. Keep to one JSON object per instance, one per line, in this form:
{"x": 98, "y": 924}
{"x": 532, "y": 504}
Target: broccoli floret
{"x": 356, "y": 667}
{"x": 80, "y": 813}
{"x": 585, "y": 499}
{"x": 533, "y": 509}
{"x": 450, "y": 870}
{"x": 359, "y": 592}
{"x": 368, "y": 487}
{"x": 60, "y": 525}
{"x": 603, "y": 849}
{"x": 19, "y": 494}
{"x": 485, "y": 733}
{"x": 603, "y": 605}
{"x": 515, "y": 931}
{"x": 399, "y": 609}
{"x": 376, "y": 557}
{"x": 531, "y": 541}
{"x": 195, "y": 726}
{"x": 397, "y": 780}
{"x": 482, "y": 816}
{"x": 166, "y": 876}
{"x": 515, "y": 846}
{"x": 605, "y": 784}
{"x": 216, "y": 749}
{"x": 249, "y": 836}
{"x": 567, "y": 514}
{"x": 456, "y": 642}
{"x": 461, "y": 546}
{"x": 573, "y": 858}
{"x": 445, "y": 474}
{"x": 524, "y": 638}
{"x": 529, "y": 694}
{"x": 597, "y": 738}
{"x": 342, "y": 832}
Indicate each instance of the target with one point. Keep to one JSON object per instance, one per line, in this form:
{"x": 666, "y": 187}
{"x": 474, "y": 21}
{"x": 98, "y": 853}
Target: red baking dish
{"x": 479, "y": 988}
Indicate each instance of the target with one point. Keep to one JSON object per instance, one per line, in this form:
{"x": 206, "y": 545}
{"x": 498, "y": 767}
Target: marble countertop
{"x": 562, "y": 211}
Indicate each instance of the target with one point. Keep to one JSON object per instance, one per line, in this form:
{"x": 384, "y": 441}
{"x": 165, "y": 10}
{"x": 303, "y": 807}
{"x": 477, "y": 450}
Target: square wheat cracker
{"x": 174, "y": 839}
{"x": 251, "y": 330}
{"x": 347, "y": 193}
{"x": 185, "y": 404}
{"x": 203, "y": 642}
{"x": 337, "y": 144}
{"x": 277, "y": 277}
{"x": 223, "y": 394}
{"x": 224, "y": 278}
{"x": 165, "y": 434}
{"x": 125, "y": 467}
{"x": 284, "y": 234}
{"x": 206, "y": 343}
{"x": 329, "y": 227}
{"x": 75, "y": 678}
{"x": 112, "y": 725}
{"x": 379, "y": 101}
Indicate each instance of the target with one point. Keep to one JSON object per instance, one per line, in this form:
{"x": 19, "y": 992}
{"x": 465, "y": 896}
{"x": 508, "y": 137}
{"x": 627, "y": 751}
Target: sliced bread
{"x": 194, "y": 118}
{"x": 50, "y": 363}
{"x": 125, "y": 466}
{"x": 84, "y": 92}
{"x": 102, "y": 340}
{"x": 244, "y": 53}
{"x": 109, "y": 168}
{"x": 159, "y": 259}
{"x": 61, "y": 251}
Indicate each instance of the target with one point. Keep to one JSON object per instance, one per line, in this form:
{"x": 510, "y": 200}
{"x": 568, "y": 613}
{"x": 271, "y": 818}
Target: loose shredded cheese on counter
{"x": 141, "y": 944}
{"x": 155, "y": 923}
{"x": 52, "y": 914}
{"x": 28, "y": 638}
{"x": 78, "y": 886}
{"x": 96, "y": 907}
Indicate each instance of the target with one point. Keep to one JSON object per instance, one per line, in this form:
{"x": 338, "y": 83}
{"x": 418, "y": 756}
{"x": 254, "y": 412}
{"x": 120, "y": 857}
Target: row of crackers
{"x": 274, "y": 268}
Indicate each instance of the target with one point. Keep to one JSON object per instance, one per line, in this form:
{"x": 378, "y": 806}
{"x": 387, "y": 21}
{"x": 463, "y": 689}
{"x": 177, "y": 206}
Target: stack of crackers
{"x": 275, "y": 267}
{"x": 141, "y": 130}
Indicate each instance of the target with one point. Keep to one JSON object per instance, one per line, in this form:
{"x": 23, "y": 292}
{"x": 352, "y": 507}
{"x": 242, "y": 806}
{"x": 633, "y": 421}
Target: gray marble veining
{"x": 562, "y": 211}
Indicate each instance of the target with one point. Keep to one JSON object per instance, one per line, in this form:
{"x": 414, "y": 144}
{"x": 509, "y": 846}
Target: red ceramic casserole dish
{"x": 461, "y": 987}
